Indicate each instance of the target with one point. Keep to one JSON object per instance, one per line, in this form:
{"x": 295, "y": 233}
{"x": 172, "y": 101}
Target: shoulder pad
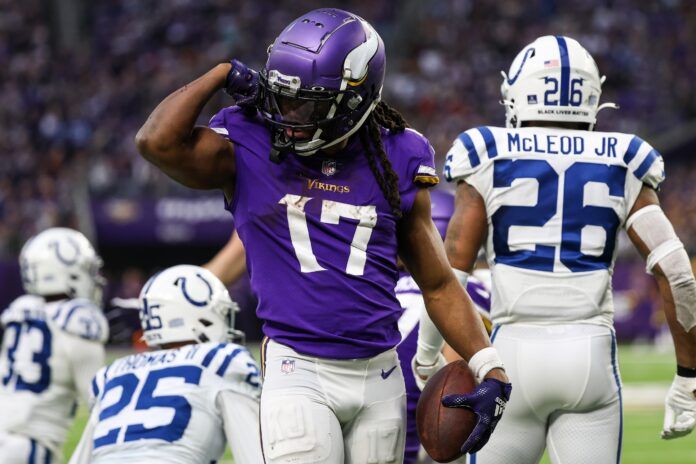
{"x": 22, "y": 308}
{"x": 469, "y": 150}
{"x": 82, "y": 318}
{"x": 645, "y": 162}
{"x": 235, "y": 365}
{"x": 414, "y": 157}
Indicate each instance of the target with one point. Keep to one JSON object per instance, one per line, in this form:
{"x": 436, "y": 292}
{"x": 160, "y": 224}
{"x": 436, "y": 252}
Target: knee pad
{"x": 294, "y": 429}
{"x": 377, "y": 442}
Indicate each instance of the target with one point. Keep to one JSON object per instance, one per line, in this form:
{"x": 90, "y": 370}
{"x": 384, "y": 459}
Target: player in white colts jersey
{"x": 52, "y": 345}
{"x": 178, "y": 403}
{"x": 547, "y": 196}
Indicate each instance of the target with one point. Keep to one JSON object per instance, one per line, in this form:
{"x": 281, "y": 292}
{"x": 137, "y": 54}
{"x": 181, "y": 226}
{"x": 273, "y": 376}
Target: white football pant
{"x": 18, "y": 449}
{"x": 316, "y": 410}
{"x": 566, "y": 396}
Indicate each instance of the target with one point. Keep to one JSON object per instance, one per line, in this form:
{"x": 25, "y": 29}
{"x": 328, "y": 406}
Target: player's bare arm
{"x": 467, "y": 230}
{"x": 655, "y": 240}
{"x": 448, "y": 305}
{"x": 192, "y": 155}
{"x": 229, "y": 264}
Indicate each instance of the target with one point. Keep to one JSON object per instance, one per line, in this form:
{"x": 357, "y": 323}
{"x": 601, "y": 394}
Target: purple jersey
{"x": 321, "y": 238}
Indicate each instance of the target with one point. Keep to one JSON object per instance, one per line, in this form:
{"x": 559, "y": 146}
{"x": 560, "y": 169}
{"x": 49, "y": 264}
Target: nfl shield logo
{"x": 328, "y": 167}
{"x": 287, "y": 366}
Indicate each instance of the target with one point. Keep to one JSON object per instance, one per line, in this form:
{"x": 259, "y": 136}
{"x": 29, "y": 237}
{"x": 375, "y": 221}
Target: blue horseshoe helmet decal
{"x": 56, "y": 247}
{"x": 528, "y": 53}
{"x": 182, "y": 281}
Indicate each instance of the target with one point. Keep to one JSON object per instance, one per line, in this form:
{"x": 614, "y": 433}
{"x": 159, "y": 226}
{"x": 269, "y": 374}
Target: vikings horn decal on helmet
{"x": 61, "y": 261}
{"x": 323, "y": 77}
{"x": 552, "y": 79}
{"x": 186, "y": 303}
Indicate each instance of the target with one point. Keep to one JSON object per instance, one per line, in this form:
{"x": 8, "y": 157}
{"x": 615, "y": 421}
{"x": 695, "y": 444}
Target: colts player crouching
{"x": 177, "y": 404}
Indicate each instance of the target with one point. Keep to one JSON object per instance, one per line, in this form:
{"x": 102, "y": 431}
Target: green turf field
{"x": 642, "y": 425}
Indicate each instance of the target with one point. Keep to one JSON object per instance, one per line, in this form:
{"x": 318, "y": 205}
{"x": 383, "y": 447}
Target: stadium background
{"x": 78, "y": 77}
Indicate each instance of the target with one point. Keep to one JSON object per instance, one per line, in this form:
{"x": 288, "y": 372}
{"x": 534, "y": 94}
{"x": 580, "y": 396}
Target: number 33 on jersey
{"x": 555, "y": 199}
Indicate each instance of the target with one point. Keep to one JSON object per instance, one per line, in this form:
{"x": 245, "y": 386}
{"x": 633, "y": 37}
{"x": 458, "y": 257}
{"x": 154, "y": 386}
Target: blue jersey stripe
{"x": 618, "y": 386}
{"x": 565, "y": 70}
{"x": 632, "y": 149}
{"x": 211, "y": 354}
{"x": 32, "y": 451}
{"x": 226, "y": 362}
{"x": 487, "y": 135}
{"x": 70, "y": 314}
{"x": 47, "y": 457}
{"x": 645, "y": 165}
{"x": 494, "y": 333}
{"x": 469, "y": 145}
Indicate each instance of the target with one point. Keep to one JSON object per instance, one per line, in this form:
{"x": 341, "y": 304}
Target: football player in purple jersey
{"x": 327, "y": 186}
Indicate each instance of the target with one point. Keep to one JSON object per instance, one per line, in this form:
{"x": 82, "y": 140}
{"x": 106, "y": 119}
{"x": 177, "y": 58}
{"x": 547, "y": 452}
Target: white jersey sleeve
{"x": 82, "y": 318}
{"x": 240, "y": 418}
{"x": 646, "y": 166}
{"x": 468, "y": 151}
{"x": 238, "y": 370}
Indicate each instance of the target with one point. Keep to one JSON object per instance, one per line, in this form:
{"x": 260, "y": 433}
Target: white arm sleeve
{"x": 86, "y": 358}
{"x": 655, "y": 230}
{"x": 430, "y": 340}
{"x": 240, "y": 417}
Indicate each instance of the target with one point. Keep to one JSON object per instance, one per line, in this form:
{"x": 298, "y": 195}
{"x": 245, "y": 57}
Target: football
{"x": 442, "y": 430}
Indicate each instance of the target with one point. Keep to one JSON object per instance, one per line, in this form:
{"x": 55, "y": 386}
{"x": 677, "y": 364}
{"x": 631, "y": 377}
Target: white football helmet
{"x": 186, "y": 303}
{"x": 61, "y": 261}
{"x": 552, "y": 79}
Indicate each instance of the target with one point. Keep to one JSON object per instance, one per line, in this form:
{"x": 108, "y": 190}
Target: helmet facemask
{"x": 306, "y": 120}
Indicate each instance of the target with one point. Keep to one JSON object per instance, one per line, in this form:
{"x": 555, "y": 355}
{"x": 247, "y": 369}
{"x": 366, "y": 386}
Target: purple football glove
{"x": 242, "y": 84}
{"x": 487, "y": 401}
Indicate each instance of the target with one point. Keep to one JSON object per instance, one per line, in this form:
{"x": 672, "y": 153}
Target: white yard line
{"x": 644, "y": 395}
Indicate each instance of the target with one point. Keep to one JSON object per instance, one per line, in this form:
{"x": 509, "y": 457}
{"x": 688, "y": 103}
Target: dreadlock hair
{"x": 371, "y": 138}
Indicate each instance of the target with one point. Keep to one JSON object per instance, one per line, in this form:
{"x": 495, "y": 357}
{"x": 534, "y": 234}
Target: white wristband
{"x": 484, "y": 361}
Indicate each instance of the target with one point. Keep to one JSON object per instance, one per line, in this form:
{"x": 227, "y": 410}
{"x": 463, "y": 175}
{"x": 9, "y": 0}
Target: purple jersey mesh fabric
{"x": 322, "y": 311}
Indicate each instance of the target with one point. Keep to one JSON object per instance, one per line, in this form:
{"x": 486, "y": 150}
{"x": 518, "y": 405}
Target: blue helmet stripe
{"x": 469, "y": 145}
{"x": 565, "y": 70}
{"x": 487, "y": 135}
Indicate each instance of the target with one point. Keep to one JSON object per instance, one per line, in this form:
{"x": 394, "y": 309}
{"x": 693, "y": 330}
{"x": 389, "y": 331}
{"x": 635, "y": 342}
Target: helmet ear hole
{"x": 205, "y": 322}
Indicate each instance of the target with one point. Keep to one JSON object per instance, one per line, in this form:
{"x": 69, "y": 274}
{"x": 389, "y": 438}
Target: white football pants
{"x": 316, "y": 410}
{"x": 18, "y": 449}
{"x": 566, "y": 396}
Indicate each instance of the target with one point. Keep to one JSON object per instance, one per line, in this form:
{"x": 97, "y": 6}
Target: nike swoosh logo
{"x": 388, "y": 373}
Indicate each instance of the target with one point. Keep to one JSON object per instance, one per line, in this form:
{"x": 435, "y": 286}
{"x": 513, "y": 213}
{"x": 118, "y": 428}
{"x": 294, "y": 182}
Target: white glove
{"x": 423, "y": 373}
{"x": 680, "y": 408}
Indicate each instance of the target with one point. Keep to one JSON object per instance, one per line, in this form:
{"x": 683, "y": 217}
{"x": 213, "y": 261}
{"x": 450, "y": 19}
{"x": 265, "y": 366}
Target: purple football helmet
{"x": 441, "y": 209}
{"x": 323, "y": 77}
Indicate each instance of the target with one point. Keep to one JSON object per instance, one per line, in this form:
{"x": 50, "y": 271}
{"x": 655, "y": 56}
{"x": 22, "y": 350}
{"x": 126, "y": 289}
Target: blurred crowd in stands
{"x": 74, "y": 91}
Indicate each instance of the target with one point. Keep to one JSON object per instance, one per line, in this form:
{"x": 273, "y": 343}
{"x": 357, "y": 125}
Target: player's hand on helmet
{"x": 488, "y": 402}
{"x": 242, "y": 84}
{"x": 680, "y": 408}
{"x": 423, "y": 372}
